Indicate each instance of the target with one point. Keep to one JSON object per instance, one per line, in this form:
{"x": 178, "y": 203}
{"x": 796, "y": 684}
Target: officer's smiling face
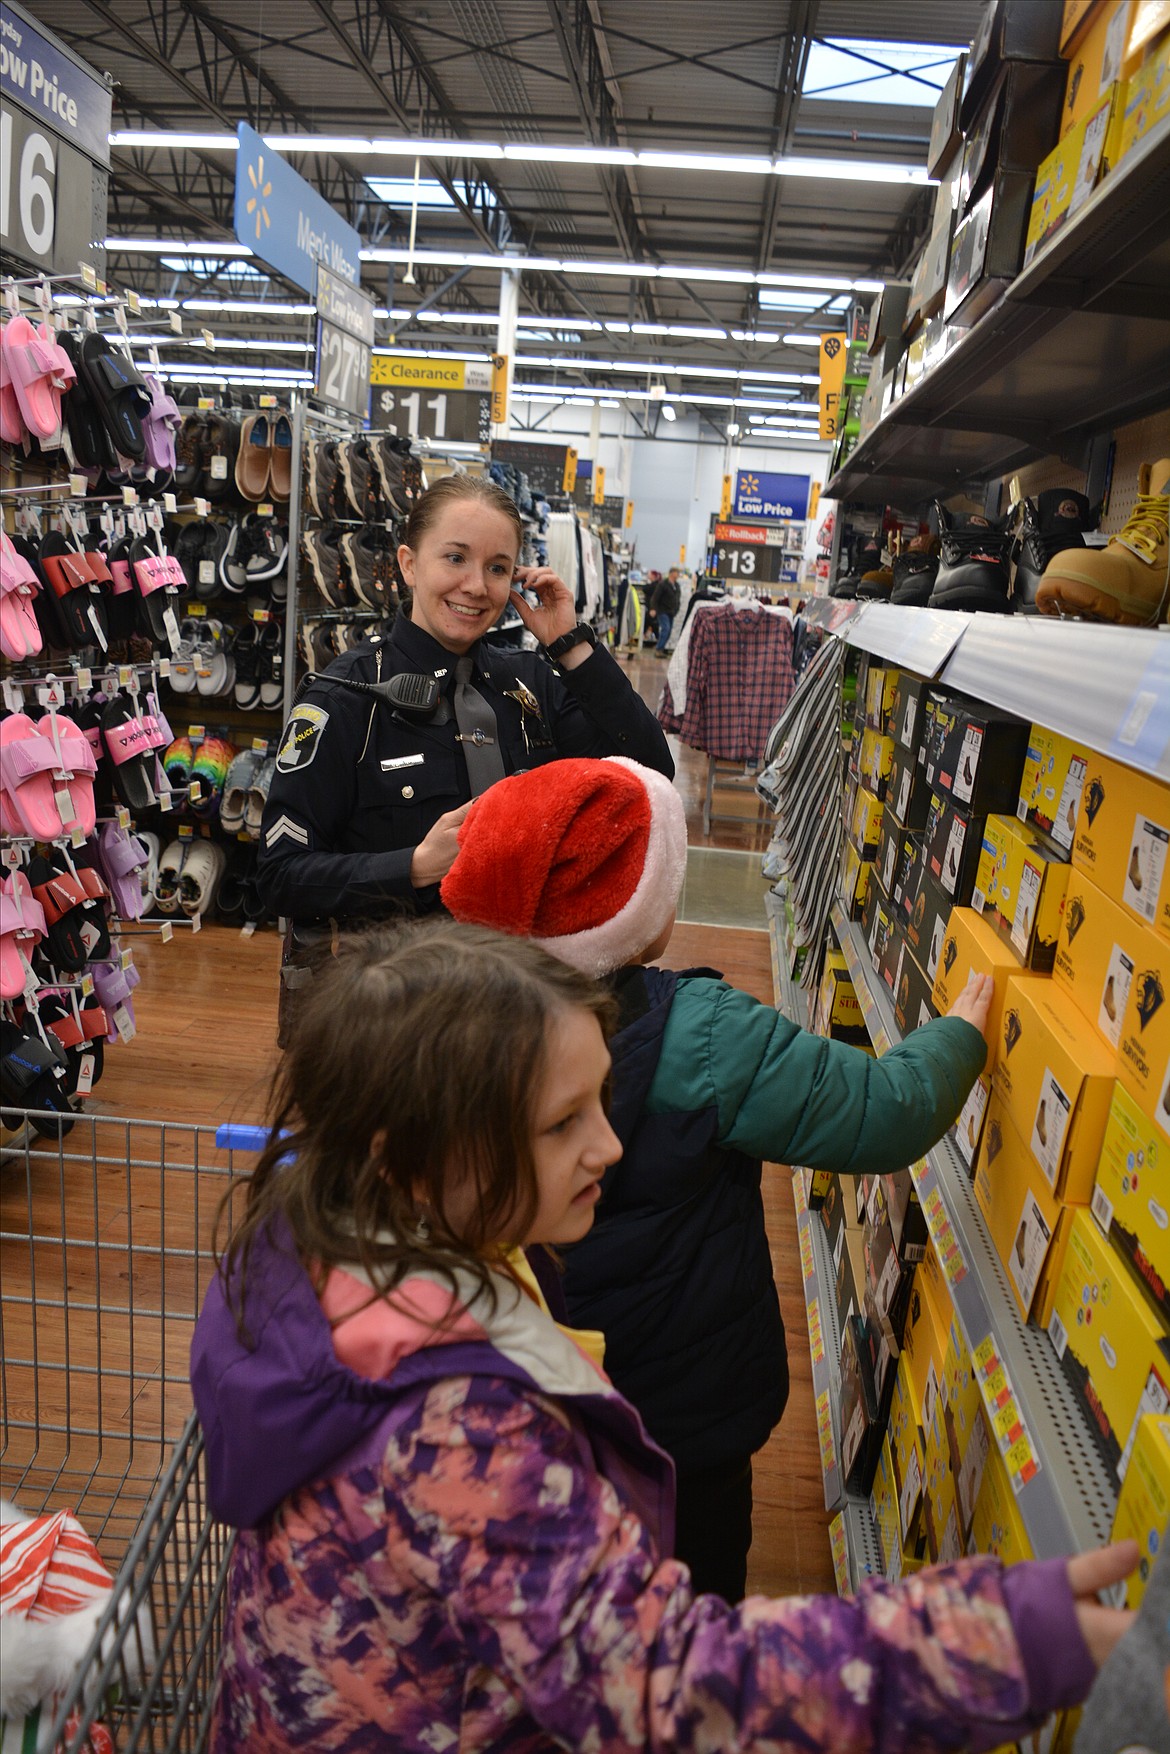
{"x": 460, "y": 573}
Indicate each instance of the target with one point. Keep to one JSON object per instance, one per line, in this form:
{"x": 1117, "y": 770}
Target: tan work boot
{"x": 1129, "y": 581}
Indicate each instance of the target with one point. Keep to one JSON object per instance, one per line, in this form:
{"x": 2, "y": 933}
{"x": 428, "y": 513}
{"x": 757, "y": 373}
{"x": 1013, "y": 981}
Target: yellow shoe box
{"x": 958, "y": 1440}
{"x": 1054, "y": 1076}
{"x": 1056, "y": 178}
{"x": 998, "y": 1526}
{"x": 1113, "y": 1349}
{"x": 1098, "y": 947}
{"x": 1143, "y": 1506}
{"x": 970, "y": 947}
{"x": 1147, "y": 98}
{"x": 1102, "y": 54}
{"x": 875, "y": 761}
{"x": 1131, "y": 1201}
{"x": 883, "y": 1506}
{"x": 1019, "y": 889}
{"x": 865, "y": 824}
{"x": 924, "y": 1338}
{"x": 855, "y": 875}
{"x": 1023, "y": 1215}
{"x": 969, "y": 1126}
{"x": 837, "y": 1006}
{"x": 1143, "y": 1060}
{"x": 1050, "y": 791}
{"x": 881, "y": 683}
{"x": 1123, "y": 839}
{"x": 906, "y": 1449}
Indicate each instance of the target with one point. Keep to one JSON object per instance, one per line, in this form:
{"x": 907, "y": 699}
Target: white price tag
{"x": 167, "y": 932}
{"x": 170, "y": 503}
{"x": 135, "y": 303}
{"x": 172, "y": 628}
{"x": 85, "y": 1073}
{"x": 129, "y": 496}
{"x": 202, "y": 508}
{"x": 77, "y": 486}
{"x": 208, "y": 340}
{"x": 120, "y": 318}
{"x": 84, "y": 680}
{"x": 207, "y": 572}
{"x": 124, "y": 1023}
{"x": 219, "y": 469}
{"x": 196, "y": 922}
{"x": 88, "y": 276}
{"x": 176, "y": 322}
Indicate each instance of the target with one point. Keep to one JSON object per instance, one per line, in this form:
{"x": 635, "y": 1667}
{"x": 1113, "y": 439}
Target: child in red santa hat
{"x": 588, "y": 858}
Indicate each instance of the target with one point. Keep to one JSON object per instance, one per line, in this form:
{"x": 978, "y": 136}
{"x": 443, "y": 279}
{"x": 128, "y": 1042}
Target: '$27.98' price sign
{"x": 343, "y": 370}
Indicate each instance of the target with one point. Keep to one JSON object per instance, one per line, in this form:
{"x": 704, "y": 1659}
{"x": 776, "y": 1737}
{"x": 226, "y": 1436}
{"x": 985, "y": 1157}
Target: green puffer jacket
{"x": 677, "y": 1271}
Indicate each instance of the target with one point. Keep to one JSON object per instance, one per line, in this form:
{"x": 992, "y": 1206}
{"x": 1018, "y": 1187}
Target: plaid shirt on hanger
{"x": 739, "y": 679}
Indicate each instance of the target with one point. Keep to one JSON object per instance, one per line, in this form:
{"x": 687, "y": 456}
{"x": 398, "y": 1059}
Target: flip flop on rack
{"x": 113, "y": 985}
{"x": 75, "y": 921}
{"x": 72, "y": 1028}
{"x": 123, "y": 859}
{"x": 20, "y": 631}
{"x": 119, "y": 393}
{"x": 22, "y": 928}
{"x": 78, "y": 579}
{"x": 160, "y": 425}
{"x": 76, "y": 765}
{"x": 32, "y": 1075}
{"x": 159, "y": 580}
{"x": 34, "y": 371}
{"x": 27, "y": 763}
{"x": 130, "y": 748}
{"x": 91, "y": 442}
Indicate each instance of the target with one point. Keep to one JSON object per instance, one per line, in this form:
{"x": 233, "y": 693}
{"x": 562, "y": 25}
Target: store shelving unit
{"x": 1078, "y": 343}
{"x": 1065, "y": 1494}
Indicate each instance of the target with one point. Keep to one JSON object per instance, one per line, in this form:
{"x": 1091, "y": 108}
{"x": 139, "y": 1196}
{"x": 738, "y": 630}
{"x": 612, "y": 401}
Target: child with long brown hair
{"x": 453, "y": 1532}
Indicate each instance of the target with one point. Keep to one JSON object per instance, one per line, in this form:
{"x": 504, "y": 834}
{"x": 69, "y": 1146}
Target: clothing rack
{"x": 743, "y": 781}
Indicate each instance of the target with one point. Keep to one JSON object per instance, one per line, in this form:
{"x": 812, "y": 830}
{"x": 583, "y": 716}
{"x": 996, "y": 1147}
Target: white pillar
{"x": 506, "y": 337}
{"x": 595, "y": 436}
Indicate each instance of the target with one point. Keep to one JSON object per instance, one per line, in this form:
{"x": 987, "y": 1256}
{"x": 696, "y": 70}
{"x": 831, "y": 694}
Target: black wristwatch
{"x": 581, "y": 635}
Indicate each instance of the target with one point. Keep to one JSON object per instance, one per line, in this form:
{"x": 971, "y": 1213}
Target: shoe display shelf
{"x": 1106, "y": 686}
{"x": 1065, "y": 1496}
{"x": 1078, "y": 344}
{"x": 788, "y": 996}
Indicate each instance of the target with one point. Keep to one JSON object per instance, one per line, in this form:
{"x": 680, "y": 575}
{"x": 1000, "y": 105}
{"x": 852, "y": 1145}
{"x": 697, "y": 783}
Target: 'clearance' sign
{"x": 411, "y": 371}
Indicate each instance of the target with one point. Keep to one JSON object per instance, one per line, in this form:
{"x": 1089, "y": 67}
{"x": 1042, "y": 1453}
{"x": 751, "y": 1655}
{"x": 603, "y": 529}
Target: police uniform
{"x": 359, "y": 784}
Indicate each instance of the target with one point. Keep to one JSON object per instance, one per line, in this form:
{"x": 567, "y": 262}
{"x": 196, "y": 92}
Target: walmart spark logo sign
{"x": 770, "y": 497}
{"x": 283, "y": 218}
{"x": 261, "y": 191}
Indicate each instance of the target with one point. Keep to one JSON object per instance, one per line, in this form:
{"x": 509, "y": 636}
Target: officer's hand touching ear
{"x": 435, "y": 853}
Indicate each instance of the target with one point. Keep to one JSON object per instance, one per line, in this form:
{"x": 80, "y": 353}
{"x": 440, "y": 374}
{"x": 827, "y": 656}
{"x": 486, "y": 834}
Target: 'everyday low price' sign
{"x": 773, "y": 497}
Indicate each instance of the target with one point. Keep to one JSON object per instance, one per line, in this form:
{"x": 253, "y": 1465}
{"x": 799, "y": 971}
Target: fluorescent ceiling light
{"x": 668, "y": 412}
{"x": 173, "y": 247}
{"x": 658, "y": 366}
{"x": 257, "y": 307}
{"x": 642, "y": 270}
{"x": 584, "y": 323}
{"x": 376, "y": 146}
{"x": 435, "y": 353}
{"x": 766, "y": 337}
{"x": 783, "y": 299}
{"x": 802, "y": 340}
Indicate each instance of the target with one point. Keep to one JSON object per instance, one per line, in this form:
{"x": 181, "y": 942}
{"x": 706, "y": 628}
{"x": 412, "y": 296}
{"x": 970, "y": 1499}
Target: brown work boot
{"x": 1127, "y": 582}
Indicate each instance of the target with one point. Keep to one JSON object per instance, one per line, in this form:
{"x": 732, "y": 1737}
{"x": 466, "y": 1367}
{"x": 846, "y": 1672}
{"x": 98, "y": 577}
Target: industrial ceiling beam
{"x": 793, "y": 63}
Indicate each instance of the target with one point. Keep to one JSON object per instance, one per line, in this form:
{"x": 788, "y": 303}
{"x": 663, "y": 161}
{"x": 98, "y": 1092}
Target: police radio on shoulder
{"x": 582, "y": 634}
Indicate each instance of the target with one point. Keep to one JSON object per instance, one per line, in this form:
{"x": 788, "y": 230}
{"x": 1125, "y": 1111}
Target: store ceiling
{"x": 672, "y": 75}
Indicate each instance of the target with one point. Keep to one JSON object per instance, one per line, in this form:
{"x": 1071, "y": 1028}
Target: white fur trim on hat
{"x": 600, "y": 949}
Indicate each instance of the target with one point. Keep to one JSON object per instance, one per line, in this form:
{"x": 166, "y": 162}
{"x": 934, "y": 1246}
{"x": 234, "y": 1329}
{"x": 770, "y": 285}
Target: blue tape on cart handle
{"x": 231, "y": 1137}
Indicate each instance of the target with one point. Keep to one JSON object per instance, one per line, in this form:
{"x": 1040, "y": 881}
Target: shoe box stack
{"x": 978, "y": 843}
{"x": 1046, "y": 105}
{"x": 357, "y": 494}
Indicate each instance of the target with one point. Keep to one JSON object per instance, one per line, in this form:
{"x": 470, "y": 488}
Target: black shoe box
{"x": 1016, "y": 127}
{"x": 908, "y": 790}
{"x": 908, "y": 713}
{"x": 865, "y": 1408}
{"x": 913, "y": 991}
{"x": 938, "y": 715}
{"x": 954, "y": 843}
{"x": 988, "y": 248}
{"x": 979, "y": 759}
{"x": 838, "y": 1212}
{"x": 899, "y": 855}
{"x": 1009, "y": 30}
{"x": 926, "y": 926}
{"x": 877, "y": 925}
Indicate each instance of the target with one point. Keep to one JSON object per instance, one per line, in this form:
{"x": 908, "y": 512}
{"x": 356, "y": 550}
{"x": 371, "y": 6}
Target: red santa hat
{"x": 585, "y": 857}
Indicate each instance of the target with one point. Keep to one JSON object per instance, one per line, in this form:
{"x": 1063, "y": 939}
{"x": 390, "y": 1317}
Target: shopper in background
{"x": 453, "y": 1531}
{"x": 664, "y": 601}
{"x": 383, "y": 751}
{"x": 588, "y": 859}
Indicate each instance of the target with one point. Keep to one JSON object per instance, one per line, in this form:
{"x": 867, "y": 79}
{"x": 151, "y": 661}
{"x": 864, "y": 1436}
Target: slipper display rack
{"x": 1108, "y": 690}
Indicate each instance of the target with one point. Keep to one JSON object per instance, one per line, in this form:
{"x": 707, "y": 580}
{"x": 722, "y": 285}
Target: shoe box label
{"x": 907, "y": 713}
{"x": 1097, "y": 950}
{"x": 908, "y": 795}
{"x": 1022, "y": 1212}
{"x": 969, "y": 1126}
{"x": 1055, "y": 1079}
{"x": 1143, "y": 1061}
{"x": 963, "y": 784}
{"x": 954, "y": 844}
{"x": 1122, "y": 839}
{"x": 1131, "y": 1199}
{"x": 1111, "y": 1345}
{"x": 929, "y": 910}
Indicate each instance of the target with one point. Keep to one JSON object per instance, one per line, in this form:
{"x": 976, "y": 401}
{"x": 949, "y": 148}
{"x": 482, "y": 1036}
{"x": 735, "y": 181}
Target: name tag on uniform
{"x": 402, "y": 761}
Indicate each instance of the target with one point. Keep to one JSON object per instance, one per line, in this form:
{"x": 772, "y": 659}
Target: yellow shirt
{"x": 590, "y": 1340}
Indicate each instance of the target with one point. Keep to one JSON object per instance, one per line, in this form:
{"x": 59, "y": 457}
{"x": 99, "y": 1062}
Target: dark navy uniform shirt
{"x": 357, "y": 785}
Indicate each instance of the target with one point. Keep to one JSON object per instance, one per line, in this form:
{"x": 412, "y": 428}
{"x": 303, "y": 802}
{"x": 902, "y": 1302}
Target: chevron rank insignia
{"x": 284, "y": 828}
{"x": 302, "y": 734}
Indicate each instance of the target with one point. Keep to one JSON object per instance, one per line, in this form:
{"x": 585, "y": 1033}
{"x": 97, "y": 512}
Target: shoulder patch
{"x": 302, "y": 734}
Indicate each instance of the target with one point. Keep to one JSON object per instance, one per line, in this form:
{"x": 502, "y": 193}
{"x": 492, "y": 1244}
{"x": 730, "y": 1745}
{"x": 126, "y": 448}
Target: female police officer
{"x": 384, "y": 751}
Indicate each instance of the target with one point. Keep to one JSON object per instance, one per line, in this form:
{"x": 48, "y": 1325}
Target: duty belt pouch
{"x": 304, "y": 947}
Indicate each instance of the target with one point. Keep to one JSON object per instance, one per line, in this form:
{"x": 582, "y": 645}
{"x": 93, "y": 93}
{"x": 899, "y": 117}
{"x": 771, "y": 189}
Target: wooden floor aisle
{"x": 204, "y": 1053}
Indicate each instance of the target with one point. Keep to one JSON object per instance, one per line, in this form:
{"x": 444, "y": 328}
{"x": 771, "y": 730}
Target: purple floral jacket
{"x": 457, "y": 1543}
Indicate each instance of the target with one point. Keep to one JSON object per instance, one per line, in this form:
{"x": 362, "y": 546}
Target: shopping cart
{"x": 105, "y": 1254}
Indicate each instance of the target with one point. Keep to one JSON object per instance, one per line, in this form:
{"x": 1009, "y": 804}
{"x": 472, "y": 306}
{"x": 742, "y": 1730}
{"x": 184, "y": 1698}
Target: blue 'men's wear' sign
{"x": 284, "y": 220}
{"x": 759, "y": 495}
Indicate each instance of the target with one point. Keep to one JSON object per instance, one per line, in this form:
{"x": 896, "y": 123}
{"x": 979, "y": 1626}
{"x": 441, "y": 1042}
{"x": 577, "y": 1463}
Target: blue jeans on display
{"x": 665, "y": 623}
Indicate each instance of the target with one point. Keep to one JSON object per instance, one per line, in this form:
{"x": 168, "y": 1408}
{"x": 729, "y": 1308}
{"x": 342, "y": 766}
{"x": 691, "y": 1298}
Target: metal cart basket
{"x": 105, "y": 1254}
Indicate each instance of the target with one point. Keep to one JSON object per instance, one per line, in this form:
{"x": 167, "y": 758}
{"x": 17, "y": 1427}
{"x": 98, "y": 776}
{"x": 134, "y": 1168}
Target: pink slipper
{"x": 22, "y": 926}
{"x": 123, "y": 858}
{"x": 20, "y": 634}
{"x": 32, "y": 366}
{"x": 76, "y": 761}
{"x": 12, "y": 428}
{"x": 26, "y": 763}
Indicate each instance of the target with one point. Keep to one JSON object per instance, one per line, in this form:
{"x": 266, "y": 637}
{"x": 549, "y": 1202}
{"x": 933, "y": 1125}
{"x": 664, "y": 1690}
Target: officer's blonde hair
{"x": 449, "y": 488}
